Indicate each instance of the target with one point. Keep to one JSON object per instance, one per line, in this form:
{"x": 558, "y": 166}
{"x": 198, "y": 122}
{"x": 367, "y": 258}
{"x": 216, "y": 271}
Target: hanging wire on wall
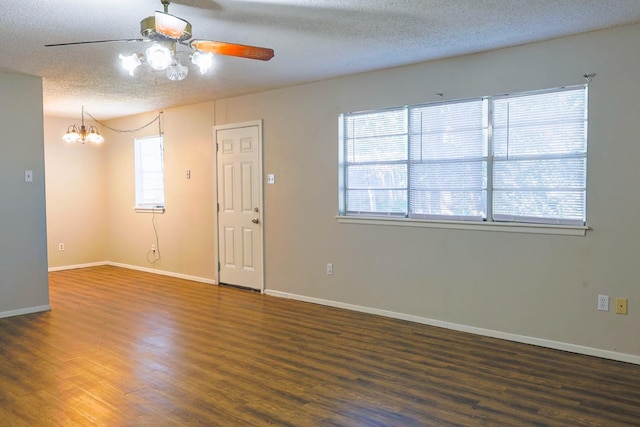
{"x": 154, "y": 256}
{"x": 158, "y": 119}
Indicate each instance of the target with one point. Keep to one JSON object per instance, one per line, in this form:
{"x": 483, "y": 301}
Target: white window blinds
{"x": 517, "y": 158}
{"x": 376, "y": 162}
{"x": 448, "y": 168}
{"x": 540, "y": 157}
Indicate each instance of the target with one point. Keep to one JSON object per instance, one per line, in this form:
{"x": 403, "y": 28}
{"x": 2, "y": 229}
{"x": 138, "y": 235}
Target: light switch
{"x": 28, "y": 176}
{"x": 271, "y": 178}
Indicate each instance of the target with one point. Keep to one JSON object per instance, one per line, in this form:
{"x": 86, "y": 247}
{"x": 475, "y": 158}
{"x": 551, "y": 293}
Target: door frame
{"x": 228, "y": 126}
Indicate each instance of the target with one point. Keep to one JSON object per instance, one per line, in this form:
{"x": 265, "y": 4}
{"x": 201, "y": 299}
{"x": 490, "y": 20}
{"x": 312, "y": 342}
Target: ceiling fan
{"x": 166, "y": 31}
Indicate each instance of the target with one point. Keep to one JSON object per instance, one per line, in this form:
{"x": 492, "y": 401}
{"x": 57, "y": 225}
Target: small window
{"x": 510, "y": 158}
{"x": 149, "y": 170}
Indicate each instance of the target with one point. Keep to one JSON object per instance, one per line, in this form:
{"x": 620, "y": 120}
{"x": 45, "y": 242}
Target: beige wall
{"x": 76, "y": 197}
{"x": 91, "y": 195}
{"x": 538, "y": 286}
{"x": 525, "y": 285}
{"x": 186, "y": 230}
{"x": 23, "y": 245}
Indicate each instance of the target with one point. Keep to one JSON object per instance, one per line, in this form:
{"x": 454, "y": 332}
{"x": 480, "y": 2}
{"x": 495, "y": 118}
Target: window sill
{"x": 149, "y": 210}
{"x": 564, "y": 230}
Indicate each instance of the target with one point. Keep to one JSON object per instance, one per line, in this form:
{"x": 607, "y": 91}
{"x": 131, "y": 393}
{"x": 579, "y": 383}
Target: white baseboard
{"x": 163, "y": 273}
{"x": 557, "y": 345}
{"x": 138, "y": 268}
{"x": 73, "y": 267}
{"x": 28, "y": 310}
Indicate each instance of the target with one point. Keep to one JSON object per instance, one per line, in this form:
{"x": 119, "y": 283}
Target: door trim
{"x": 239, "y": 125}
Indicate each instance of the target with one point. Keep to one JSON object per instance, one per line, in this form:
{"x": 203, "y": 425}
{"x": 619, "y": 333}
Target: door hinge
{"x": 217, "y": 147}
{"x": 218, "y": 207}
{"x": 218, "y": 265}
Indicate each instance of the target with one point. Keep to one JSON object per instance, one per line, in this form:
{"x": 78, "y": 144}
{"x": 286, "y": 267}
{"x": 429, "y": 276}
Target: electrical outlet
{"x": 61, "y": 246}
{"x": 603, "y": 302}
{"x": 329, "y": 268}
{"x": 621, "y": 305}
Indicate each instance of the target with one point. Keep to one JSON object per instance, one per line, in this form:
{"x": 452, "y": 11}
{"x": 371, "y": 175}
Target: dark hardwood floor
{"x": 126, "y": 348}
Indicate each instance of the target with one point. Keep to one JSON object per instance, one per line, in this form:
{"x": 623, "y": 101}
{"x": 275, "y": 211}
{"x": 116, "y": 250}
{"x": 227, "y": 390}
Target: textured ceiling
{"x": 312, "y": 39}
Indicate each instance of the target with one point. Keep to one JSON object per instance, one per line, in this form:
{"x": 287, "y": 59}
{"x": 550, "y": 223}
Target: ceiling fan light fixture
{"x": 202, "y": 60}
{"x": 131, "y": 62}
{"x": 166, "y": 31}
{"x": 158, "y": 57}
{"x": 177, "y": 72}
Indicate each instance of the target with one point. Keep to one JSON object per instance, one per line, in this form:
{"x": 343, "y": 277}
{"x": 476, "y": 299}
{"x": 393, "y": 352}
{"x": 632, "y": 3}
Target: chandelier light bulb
{"x": 130, "y": 62}
{"x": 158, "y": 57}
{"x": 202, "y": 60}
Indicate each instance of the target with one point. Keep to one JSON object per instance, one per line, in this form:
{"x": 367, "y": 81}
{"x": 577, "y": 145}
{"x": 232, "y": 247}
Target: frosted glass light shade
{"x": 202, "y": 60}
{"x": 71, "y": 135}
{"x": 158, "y": 57}
{"x": 94, "y": 136}
{"x": 130, "y": 62}
{"x": 169, "y": 25}
{"x": 177, "y": 72}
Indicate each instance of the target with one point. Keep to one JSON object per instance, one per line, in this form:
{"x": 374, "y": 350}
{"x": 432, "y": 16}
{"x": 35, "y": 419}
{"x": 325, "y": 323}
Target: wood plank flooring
{"x": 126, "y": 348}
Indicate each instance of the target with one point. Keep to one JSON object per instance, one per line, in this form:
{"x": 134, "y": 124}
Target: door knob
{"x": 255, "y": 221}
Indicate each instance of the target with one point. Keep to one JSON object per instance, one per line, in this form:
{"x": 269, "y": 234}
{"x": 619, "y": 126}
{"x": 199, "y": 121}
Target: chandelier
{"x": 82, "y": 134}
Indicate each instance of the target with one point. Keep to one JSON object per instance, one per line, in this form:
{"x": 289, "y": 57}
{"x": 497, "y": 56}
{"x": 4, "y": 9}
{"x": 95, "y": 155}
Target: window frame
{"x": 520, "y": 224}
{"x": 148, "y": 204}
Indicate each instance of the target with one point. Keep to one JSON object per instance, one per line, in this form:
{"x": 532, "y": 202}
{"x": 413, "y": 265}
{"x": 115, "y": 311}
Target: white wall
{"x": 537, "y": 286}
{"x": 23, "y": 238}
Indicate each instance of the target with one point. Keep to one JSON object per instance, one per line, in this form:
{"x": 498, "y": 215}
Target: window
{"x": 149, "y": 170}
{"x": 510, "y": 158}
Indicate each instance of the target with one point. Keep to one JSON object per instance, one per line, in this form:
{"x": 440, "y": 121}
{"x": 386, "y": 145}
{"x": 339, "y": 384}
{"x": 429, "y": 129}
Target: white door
{"x": 240, "y": 234}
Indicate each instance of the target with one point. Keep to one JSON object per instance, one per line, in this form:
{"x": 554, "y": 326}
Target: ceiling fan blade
{"x": 96, "y": 41}
{"x": 232, "y": 49}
